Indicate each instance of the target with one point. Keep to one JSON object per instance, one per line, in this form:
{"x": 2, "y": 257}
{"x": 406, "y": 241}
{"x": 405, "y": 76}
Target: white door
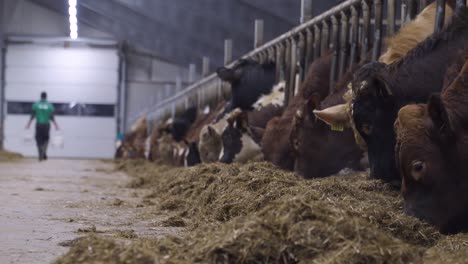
{"x": 81, "y": 82}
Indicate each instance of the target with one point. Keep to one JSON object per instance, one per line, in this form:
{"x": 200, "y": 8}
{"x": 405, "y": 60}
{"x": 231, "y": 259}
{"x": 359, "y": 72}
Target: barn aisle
{"x": 44, "y": 206}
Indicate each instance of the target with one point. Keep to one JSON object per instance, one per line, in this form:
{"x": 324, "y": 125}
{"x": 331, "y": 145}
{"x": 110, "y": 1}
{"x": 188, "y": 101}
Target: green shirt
{"x": 43, "y": 112}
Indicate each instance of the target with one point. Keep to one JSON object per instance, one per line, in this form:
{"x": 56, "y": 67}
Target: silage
{"x": 256, "y": 213}
{"x": 6, "y": 156}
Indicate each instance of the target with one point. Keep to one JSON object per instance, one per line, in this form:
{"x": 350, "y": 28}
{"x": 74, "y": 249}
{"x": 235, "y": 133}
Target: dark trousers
{"x": 42, "y": 139}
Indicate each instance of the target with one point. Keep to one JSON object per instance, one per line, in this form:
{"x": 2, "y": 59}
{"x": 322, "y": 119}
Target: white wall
{"x": 69, "y": 75}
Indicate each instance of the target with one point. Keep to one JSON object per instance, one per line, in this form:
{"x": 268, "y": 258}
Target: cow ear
{"x": 383, "y": 89}
{"x": 229, "y": 75}
{"x": 334, "y": 116}
{"x": 242, "y": 121}
{"x": 440, "y": 118}
{"x": 313, "y": 103}
{"x": 211, "y": 131}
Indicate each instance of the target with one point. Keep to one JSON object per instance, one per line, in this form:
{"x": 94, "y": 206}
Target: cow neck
{"x": 422, "y": 71}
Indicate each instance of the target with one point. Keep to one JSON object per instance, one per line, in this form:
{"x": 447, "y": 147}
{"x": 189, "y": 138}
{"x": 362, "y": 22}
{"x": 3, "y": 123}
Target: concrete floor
{"x": 44, "y": 204}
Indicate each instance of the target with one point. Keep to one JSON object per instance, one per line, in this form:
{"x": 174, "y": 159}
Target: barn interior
{"x": 228, "y": 131}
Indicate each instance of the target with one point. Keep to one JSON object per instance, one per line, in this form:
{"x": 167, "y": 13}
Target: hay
{"x": 255, "y": 213}
{"x": 6, "y": 156}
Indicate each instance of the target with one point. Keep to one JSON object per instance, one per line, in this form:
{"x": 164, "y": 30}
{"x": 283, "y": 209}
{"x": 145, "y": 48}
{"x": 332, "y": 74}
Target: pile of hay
{"x": 257, "y": 214}
{"x": 6, "y": 156}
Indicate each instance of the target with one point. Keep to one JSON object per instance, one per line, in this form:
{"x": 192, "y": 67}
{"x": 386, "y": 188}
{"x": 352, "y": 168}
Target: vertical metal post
{"x": 167, "y": 91}
{"x": 412, "y": 9}
{"x": 122, "y": 118}
{"x": 227, "y": 51}
{"x": 258, "y": 41}
{"x": 301, "y": 55}
{"x": 178, "y": 83}
{"x": 440, "y": 15}
{"x": 343, "y": 44}
{"x": 325, "y": 38}
{"x": 287, "y": 71}
{"x": 317, "y": 41}
{"x": 378, "y": 7}
{"x": 460, "y": 4}
{"x": 404, "y": 12}
{"x": 293, "y": 68}
{"x": 391, "y": 15}
{"x": 334, "y": 47}
{"x": 422, "y": 5}
{"x": 192, "y": 72}
{"x": 309, "y": 42}
{"x": 306, "y": 10}
{"x": 354, "y": 36}
{"x": 206, "y": 66}
{"x": 365, "y": 29}
{"x": 279, "y": 63}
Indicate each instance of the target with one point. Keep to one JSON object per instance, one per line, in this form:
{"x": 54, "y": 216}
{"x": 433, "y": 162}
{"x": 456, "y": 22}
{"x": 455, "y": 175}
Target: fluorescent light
{"x": 72, "y": 11}
{"x": 73, "y": 35}
{"x": 74, "y": 27}
{"x": 73, "y": 20}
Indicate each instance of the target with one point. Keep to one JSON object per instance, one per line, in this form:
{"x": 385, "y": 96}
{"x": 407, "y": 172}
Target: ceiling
{"x": 183, "y": 31}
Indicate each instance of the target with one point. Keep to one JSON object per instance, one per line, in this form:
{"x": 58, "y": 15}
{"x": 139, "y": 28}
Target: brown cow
{"x": 133, "y": 144}
{"x": 275, "y": 144}
{"x": 321, "y": 151}
{"x": 432, "y": 155}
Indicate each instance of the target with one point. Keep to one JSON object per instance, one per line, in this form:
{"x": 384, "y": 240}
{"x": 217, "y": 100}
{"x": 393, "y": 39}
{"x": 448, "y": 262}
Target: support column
{"x": 306, "y": 10}
{"x": 258, "y": 41}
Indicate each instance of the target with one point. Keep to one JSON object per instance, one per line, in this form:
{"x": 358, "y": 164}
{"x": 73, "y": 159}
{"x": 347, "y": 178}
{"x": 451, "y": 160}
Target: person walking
{"x": 43, "y": 112}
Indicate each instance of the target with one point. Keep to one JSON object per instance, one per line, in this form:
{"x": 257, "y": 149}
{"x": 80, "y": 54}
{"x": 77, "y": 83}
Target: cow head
{"x": 249, "y": 80}
{"x": 238, "y": 141}
{"x": 320, "y": 150}
{"x": 374, "y": 111}
{"x": 210, "y": 144}
{"x": 432, "y": 155}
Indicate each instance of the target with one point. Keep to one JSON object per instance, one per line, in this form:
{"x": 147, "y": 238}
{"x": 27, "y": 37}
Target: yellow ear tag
{"x": 338, "y": 128}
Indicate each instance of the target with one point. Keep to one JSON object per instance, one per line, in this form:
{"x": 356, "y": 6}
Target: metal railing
{"x": 349, "y": 30}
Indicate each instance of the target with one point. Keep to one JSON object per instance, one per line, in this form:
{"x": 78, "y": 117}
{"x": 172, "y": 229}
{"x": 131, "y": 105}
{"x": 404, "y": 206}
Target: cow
{"x": 275, "y": 143}
{"x": 249, "y": 80}
{"x": 380, "y": 90}
{"x": 133, "y": 143}
{"x": 242, "y": 136}
{"x": 432, "y": 154}
{"x": 320, "y": 150}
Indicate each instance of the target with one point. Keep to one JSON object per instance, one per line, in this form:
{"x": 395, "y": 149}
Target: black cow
{"x": 249, "y": 80}
{"x": 181, "y": 124}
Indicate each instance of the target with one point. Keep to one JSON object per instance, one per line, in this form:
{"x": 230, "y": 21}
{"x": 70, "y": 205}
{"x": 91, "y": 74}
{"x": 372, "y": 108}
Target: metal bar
{"x": 205, "y": 66}
{"x": 325, "y": 38}
{"x": 354, "y": 36}
{"x": 301, "y": 56}
{"x": 306, "y": 10}
{"x": 317, "y": 41}
{"x": 192, "y": 72}
{"x": 293, "y": 68}
{"x": 258, "y": 41}
{"x": 343, "y": 44}
{"x": 287, "y": 71}
{"x": 378, "y": 7}
{"x": 440, "y": 15}
{"x": 334, "y": 47}
{"x": 412, "y": 9}
{"x": 279, "y": 63}
{"x": 122, "y": 119}
{"x": 227, "y": 51}
{"x": 422, "y": 5}
{"x": 309, "y": 42}
{"x": 391, "y": 17}
{"x": 460, "y": 3}
{"x": 404, "y": 12}
{"x": 365, "y": 29}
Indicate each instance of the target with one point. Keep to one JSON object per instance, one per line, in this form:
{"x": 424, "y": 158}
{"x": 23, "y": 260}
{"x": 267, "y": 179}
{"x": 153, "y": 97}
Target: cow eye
{"x": 418, "y": 169}
{"x": 367, "y": 129}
